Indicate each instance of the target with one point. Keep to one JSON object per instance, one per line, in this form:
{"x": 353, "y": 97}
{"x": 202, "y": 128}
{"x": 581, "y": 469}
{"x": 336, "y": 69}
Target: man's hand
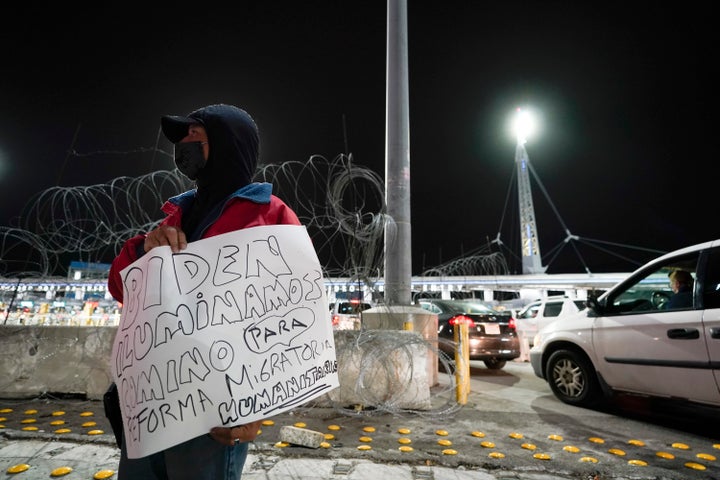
{"x": 240, "y": 433}
{"x": 166, "y": 235}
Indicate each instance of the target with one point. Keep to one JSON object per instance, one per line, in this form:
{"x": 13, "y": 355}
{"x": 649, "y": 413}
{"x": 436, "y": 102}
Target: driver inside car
{"x": 681, "y": 283}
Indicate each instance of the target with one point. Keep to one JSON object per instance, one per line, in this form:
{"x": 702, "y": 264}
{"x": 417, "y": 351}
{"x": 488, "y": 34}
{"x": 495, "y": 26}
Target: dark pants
{"x": 201, "y": 458}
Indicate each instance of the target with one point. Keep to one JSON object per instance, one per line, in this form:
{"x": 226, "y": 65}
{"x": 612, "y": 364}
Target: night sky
{"x": 621, "y": 155}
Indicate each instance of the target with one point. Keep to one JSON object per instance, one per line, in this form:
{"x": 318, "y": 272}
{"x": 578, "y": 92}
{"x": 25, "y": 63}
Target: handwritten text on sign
{"x": 230, "y": 330}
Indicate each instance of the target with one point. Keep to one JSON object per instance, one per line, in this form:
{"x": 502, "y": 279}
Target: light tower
{"x": 530, "y": 246}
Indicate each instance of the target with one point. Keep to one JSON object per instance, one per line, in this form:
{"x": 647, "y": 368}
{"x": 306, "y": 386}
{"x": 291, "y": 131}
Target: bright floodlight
{"x": 523, "y": 125}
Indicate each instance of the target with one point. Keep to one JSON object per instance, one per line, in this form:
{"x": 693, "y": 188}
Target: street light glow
{"x": 524, "y": 125}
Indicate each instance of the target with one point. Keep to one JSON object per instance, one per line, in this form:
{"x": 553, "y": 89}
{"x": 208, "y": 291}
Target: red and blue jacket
{"x": 251, "y": 206}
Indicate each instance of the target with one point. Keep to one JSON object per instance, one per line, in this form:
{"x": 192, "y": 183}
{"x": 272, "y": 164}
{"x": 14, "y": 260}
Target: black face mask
{"x": 189, "y": 158}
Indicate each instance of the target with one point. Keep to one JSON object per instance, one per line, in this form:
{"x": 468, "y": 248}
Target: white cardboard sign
{"x": 230, "y": 330}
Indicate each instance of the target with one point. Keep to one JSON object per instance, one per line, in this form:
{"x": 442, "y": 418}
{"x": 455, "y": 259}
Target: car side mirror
{"x": 594, "y": 307}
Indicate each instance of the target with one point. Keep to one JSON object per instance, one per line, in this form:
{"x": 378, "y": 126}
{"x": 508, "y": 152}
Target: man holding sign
{"x": 195, "y": 313}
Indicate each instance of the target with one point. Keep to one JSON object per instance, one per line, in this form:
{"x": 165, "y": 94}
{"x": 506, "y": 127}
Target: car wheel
{"x": 494, "y": 363}
{"x": 572, "y": 379}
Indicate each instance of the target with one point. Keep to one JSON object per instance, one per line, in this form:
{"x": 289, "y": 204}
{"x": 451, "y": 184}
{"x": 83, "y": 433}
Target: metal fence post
{"x": 462, "y": 362}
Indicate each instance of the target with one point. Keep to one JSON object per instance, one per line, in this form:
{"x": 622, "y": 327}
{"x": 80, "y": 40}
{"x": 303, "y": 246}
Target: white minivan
{"x": 636, "y": 339}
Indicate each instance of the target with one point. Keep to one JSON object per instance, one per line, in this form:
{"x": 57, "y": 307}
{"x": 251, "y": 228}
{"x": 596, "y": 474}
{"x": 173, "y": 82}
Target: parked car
{"x": 629, "y": 340}
{"x": 345, "y": 314}
{"x": 492, "y": 335}
{"x": 537, "y": 314}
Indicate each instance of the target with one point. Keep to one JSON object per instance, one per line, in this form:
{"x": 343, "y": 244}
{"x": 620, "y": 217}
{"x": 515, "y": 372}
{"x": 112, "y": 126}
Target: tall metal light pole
{"x": 398, "y": 254}
{"x": 530, "y": 246}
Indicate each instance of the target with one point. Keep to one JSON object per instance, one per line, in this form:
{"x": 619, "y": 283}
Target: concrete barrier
{"x": 374, "y": 367}
{"x": 379, "y": 368}
{"x": 37, "y": 360}
{"x": 401, "y": 317}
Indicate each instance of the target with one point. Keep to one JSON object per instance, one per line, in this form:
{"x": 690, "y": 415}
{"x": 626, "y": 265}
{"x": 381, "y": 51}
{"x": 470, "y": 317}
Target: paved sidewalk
{"x": 486, "y": 439}
{"x": 95, "y": 461}
{"x": 357, "y": 448}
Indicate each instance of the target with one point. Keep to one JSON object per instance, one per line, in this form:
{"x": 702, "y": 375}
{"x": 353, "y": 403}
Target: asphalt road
{"x": 517, "y": 383}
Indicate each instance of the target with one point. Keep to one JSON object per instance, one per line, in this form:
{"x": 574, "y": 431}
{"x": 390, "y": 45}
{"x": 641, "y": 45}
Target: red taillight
{"x": 460, "y": 319}
{"x": 511, "y": 324}
{"x": 336, "y": 320}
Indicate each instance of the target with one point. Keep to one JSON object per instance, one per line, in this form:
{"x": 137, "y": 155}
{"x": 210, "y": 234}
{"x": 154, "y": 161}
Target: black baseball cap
{"x": 175, "y": 128}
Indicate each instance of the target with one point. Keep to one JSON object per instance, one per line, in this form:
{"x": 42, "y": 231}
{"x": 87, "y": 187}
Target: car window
{"x": 580, "y": 304}
{"x": 348, "y": 308}
{"x": 651, "y": 291}
{"x": 530, "y": 311}
{"x": 552, "y": 309}
{"x": 430, "y": 307}
{"x": 476, "y": 308}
